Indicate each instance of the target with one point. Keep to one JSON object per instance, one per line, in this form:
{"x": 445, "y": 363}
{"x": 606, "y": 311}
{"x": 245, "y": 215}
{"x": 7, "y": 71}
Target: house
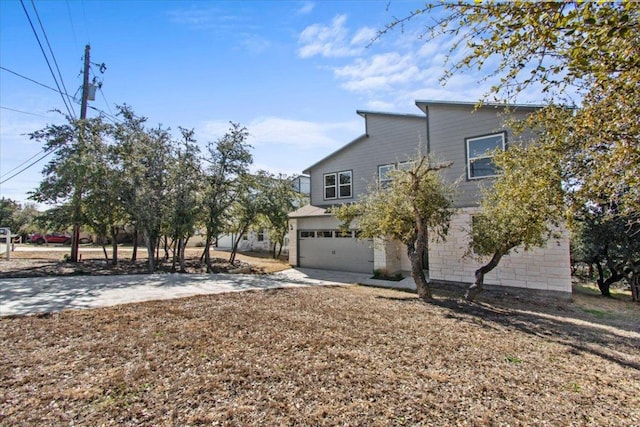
{"x": 448, "y": 131}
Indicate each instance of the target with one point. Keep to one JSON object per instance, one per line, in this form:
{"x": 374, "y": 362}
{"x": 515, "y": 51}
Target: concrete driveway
{"x": 51, "y": 294}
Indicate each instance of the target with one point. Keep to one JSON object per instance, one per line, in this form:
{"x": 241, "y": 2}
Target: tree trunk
{"x": 417, "y": 271}
{"x": 134, "y": 255}
{"x": 477, "y": 286}
{"x": 174, "y": 258}
{"x": 104, "y": 251}
{"x": 114, "y": 246}
{"x": 181, "y": 254}
{"x": 635, "y": 287}
{"x": 234, "y": 250}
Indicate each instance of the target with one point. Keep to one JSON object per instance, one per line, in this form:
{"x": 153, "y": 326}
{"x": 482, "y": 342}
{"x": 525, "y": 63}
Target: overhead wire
{"x": 23, "y": 163}
{"x": 53, "y": 56}
{"x": 46, "y": 58}
{"x": 28, "y": 166}
{"x": 24, "y": 112}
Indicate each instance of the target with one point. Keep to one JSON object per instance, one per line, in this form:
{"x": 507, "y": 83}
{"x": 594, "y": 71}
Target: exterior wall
{"x": 391, "y": 138}
{"x": 449, "y": 125}
{"x": 546, "y": 268}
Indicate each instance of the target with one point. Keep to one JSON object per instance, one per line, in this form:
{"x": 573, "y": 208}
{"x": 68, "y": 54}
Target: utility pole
{"x": 77, "y": 197}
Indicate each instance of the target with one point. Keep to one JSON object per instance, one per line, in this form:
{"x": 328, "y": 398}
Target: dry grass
{"x": 350, "y": 356}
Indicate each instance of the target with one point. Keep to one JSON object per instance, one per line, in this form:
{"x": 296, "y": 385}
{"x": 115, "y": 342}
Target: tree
{"x": 228, "y": 160}
{"x": 104, "y": 209}
{"x": 279, "y": 201}
{"x": 520, "y": 209}
{"x": 249, "y": 203}
{"x": 610, "y": 242}
{"x": 416, "y": 202}
{"x": 146, "y": 157}
{"x": 18, "y": 218}
{"x": 75, "y": 145}
{"x": 585, "y": 58}
{"x": 184, "y": 200}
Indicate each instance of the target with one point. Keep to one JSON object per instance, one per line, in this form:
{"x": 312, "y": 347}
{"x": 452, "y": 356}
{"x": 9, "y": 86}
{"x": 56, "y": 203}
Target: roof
{"x": 307, "y": 211}
{"x": 344, "y": 147}
{"x": 423, "y": 104}
{"x": 364, "y": 114}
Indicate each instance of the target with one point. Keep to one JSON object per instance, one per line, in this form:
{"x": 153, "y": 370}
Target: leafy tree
{"x": 518, "y": 210}
{"x": 417, "y": 201}
{"x": 227, "y": 161}
{"x": 585, "y": 55}
{"x": 18, "y": 218}
{"x": 279, "y": 201}
{"x": 105, "y": 211}
{"x": 146, "y": 157}
{"x": 610, "y": 242}
{"x": 75, "y": 145}
{"x": 248, "y": 205}
{"x": 185, "y": 184}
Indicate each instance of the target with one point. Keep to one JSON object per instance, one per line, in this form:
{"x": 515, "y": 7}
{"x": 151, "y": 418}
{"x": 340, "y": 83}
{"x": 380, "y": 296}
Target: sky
{"x": 293, "y": 72}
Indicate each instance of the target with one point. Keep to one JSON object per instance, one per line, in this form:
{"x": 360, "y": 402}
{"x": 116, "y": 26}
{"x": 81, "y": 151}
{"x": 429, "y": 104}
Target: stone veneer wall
{"x": 546, "y": 268}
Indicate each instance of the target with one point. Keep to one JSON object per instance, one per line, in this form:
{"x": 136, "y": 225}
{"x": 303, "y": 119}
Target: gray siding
{"x": 395, "y": 138}
{"x": 391, "y": 138}
{"x": 449, "y": 125}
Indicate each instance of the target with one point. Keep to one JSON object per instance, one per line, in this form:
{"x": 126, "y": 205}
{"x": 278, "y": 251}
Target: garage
{"x": 334, "y": 250}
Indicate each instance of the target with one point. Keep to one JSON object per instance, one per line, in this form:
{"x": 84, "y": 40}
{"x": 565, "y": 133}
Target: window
{"x": 307, "y": 234}
{"x": 260, "y": 236}
{"x": 343, "y": 234}
{"x": 330, "y": 186}
{"x": 383, "y": 175}
{"x": 324, "y": 233}
{"x": 480, "y": 157}
{"x": 338, "y": 185}
{"x": 384, "y": 178}
{"x": 345, "y": 184}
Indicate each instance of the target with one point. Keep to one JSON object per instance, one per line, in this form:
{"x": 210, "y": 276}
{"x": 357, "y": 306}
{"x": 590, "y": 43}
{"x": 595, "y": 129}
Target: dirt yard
{"x": 35, "y": 261}
{"x": 350, "y": 356}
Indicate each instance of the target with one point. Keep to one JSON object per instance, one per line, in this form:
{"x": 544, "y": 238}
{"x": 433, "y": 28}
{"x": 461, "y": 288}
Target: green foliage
{"x": 227, "y": 161}
{"x": 525, "y": 200}
{"x": 417, "y": 201}
{"x": 18, "y": 218}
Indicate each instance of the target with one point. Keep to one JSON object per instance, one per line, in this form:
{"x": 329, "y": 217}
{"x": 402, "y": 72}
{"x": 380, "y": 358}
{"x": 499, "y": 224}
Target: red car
{"x": 50, "y": 238}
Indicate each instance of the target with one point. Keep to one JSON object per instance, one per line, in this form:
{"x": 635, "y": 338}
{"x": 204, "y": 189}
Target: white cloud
{"x": 363, "y": 36}
{"x": 329, "y": 41}
{"x": 379, "y": 73}
{"x": 306, "y": 7}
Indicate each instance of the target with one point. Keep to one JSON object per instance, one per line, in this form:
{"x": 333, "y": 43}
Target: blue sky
{"x": 293, "y": 72}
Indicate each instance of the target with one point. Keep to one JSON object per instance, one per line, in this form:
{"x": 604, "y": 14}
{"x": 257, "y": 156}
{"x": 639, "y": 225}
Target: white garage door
{"x": 331, "y": 250}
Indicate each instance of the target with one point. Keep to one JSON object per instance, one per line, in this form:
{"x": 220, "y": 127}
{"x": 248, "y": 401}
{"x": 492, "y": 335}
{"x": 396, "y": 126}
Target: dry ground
{"x": 36, "y": 261}
{"x": 352, "y": 356}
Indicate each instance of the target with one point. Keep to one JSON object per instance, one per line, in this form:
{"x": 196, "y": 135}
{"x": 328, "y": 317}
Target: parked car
{"x": 39, "y": 239}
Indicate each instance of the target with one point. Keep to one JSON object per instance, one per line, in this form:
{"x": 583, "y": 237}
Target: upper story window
{"x": 479, "y": 155}
{"x": 384, "y": 177}
{"x": 338, "y": 185}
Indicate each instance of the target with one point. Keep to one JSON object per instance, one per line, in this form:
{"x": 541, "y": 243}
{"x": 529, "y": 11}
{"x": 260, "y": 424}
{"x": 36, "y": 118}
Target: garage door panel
{"x": 336, "y": 253}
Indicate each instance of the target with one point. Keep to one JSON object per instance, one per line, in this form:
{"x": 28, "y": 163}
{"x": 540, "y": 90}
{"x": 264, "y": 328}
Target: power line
{"x": 23, "y": 163}
{"x": 51, "y": 51}
{"x": 46, "y": 58}
{"x": 27, "y": 167}
{"x": 24, "y": 112}
{"x": 31, "y": 80}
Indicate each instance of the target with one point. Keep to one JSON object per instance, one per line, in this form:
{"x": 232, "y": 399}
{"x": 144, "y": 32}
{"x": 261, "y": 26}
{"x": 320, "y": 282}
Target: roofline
{"x": 344, "y": 147}
{"x": 364, "y": 114}
{"x": 422, "y": 104}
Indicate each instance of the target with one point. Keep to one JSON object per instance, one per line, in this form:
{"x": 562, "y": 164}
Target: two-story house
{"x": 448, "y": 131}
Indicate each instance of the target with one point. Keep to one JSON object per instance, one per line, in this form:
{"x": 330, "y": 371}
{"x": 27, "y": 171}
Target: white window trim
{"x": 470, "y": 159}
{"x": 325, "y": 186}
{"x": 337, "y": 185}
